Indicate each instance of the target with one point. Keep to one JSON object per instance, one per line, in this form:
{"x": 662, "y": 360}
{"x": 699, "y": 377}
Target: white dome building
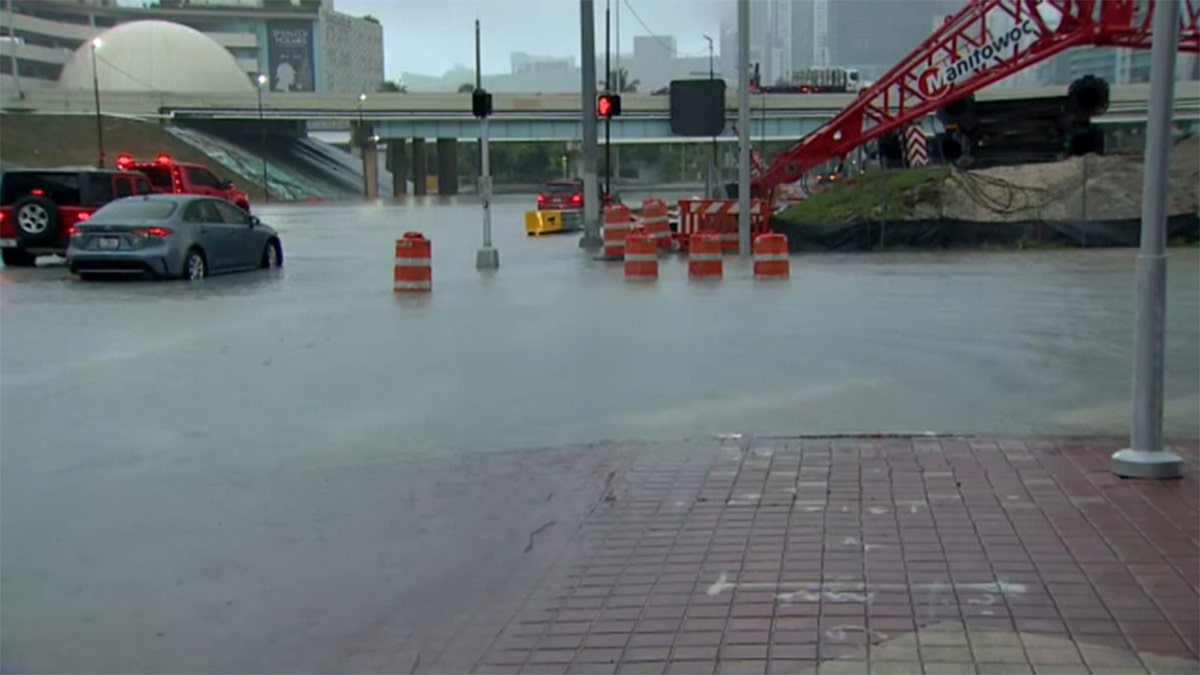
{"x": 156, "y": 56}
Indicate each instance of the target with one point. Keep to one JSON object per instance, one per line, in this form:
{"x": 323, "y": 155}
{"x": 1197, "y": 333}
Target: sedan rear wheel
{"x": 194, "y": 266}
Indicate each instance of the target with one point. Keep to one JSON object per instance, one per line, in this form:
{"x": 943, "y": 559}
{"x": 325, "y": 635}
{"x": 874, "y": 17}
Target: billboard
{"x": 290, "y": 55}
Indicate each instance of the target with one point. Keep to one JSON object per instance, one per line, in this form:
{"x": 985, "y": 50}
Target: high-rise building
{"x": 319, "y": 49}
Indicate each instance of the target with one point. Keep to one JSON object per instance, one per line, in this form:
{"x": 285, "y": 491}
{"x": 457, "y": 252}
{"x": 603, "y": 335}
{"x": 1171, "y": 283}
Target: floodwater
{"x": 171, "y": 452}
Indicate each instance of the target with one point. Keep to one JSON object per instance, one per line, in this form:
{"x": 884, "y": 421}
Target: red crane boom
{"x": 984, "y": 42}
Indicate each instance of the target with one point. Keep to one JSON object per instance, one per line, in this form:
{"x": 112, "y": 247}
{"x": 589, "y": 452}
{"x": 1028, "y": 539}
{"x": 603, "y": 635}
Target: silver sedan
{"x": 186, "y": 236}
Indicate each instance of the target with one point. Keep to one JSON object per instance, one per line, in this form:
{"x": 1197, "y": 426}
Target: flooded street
{"x": 171, "y": 452}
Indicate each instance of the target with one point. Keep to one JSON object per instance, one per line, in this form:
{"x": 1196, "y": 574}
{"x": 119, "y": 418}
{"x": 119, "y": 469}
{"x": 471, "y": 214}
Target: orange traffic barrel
{"x": 413, "y": 272}
{"x": 641, "y": 256}
{"x": 704, "y": 256}
{"x": 617, "y": 225}
{"x": 656, "y": 222}
{"x": 771, "y": 256}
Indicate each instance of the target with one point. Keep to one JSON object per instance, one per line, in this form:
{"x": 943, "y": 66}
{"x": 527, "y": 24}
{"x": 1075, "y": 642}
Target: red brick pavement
{"x": 887, "y": 555}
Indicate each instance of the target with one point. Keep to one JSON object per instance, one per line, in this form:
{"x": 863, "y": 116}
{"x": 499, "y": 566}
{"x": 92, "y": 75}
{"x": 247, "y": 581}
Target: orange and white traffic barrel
{"x": 704, "y": 256}
{"x": 656, "y": 222}
{"x": 413, "y": 272}
{"x": 641, "y": 256}
{"x": 771, "y": 256}
{"x": 617, "y": 225}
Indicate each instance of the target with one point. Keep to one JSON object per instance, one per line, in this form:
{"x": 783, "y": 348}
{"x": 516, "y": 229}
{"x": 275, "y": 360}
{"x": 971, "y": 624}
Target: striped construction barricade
{"x": 413, "y": 272}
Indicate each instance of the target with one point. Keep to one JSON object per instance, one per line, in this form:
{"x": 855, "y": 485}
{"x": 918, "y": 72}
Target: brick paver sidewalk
{"x": 872, "y": 555}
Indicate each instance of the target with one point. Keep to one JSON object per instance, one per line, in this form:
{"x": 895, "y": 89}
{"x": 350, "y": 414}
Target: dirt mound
{"x": 1092, "y": 187}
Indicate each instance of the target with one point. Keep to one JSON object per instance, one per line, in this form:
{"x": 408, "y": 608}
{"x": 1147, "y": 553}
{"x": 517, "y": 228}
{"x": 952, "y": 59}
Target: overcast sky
{"x": 431, "y": 36}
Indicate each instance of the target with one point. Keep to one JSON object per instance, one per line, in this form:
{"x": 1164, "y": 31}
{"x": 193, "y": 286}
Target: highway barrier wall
{"x": 945, "y": 233}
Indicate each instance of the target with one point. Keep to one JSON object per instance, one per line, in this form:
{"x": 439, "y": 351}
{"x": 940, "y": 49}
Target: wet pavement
{"x": 267, "y": 471}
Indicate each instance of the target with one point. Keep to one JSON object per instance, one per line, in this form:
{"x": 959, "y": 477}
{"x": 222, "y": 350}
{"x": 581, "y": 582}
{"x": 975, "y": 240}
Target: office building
{"x": 304, "y": 45}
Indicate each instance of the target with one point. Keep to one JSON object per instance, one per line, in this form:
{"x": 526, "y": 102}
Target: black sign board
{"x": 697, "y": 107}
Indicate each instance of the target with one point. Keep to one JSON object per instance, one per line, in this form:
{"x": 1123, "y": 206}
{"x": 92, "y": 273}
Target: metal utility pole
{"x": 591, "y": 198}
{"x": 743, "y": 27}
{"x": 12, "y": 51}
{"x": 609, "y": 76}
{"x": 487, "y": 258}
{"x": 262, "y": 138}
{"x": 715, "y": 169}
{"x": 1146, "y": 457}
{"x": 96, "y": 43}
{"x": 478, "y": 86}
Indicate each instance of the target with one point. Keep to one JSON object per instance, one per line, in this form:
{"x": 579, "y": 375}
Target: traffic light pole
{"x": 487, "y": 258}
{"x": 591, "y": 200}
{"x": 608, "y": 77}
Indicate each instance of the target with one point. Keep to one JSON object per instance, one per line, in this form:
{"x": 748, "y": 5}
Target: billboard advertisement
{"x": 290, "y": 55}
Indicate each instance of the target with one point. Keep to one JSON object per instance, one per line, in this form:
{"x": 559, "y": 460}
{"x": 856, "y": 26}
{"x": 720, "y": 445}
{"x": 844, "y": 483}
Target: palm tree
{"x": 620, "y": 78}
{"x": 466, "y": 88}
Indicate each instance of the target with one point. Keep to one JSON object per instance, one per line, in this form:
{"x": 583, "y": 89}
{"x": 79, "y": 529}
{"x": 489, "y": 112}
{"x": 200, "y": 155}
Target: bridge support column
{"x": 447, "y": 166}
{"x": 370, "y": 160}
{"x": 420, "y": 168}
{"x": 397, "y": 163}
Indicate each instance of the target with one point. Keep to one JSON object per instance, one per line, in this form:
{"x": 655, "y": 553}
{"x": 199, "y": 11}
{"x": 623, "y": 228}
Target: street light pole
{"x": 714, "y": 170}
{"x": 1147, "y": 457}
{"x": 96, "y": 44}
{"x": 262, "y": 138}
{"x": 361, "y": 135}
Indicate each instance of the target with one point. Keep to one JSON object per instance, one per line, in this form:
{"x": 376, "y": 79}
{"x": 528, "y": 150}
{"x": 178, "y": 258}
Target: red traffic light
{"x": 608, "y": 105}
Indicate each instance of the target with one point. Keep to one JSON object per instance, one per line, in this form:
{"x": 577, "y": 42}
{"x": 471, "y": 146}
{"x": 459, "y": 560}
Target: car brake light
{"x": 576, "y": 198}
{"x": 83, "y": 216}
{"x": 541, "y": 199}
{"x": 37, "y": 192}
{"x": 153, "y": 232}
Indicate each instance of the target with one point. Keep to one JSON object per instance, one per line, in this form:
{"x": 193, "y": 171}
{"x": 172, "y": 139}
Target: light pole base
{"x": 487, "y": 259}
{"x": 1130, "y": 463}
{"x": 590, "y": 241}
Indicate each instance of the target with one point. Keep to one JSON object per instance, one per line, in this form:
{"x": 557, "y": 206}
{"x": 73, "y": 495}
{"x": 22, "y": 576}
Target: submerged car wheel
{"x": 194, "y": 266}
{"x": 272, "y": 256}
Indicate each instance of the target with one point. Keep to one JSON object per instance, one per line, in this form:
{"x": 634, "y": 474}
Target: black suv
{"x": 39, "y": 207}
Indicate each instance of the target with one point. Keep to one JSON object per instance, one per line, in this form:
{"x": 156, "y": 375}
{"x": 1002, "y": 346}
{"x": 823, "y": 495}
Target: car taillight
{"x": 83, "y": 216}
{"x": 541, "y": 199}
{"x": 577, "y": 198}
{"x": 153, "y": 232}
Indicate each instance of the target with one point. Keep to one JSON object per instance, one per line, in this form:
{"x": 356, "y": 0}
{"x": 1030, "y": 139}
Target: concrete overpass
{"x": 526, "y": 117}
{"x": 398, "y": 118}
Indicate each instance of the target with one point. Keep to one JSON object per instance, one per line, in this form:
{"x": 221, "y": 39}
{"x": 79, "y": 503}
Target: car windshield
{"x": 562, "y": 188}
{"x": 136, "y": 209}
{"x": 60, "y": 187}
{"x": 160, "y": 177}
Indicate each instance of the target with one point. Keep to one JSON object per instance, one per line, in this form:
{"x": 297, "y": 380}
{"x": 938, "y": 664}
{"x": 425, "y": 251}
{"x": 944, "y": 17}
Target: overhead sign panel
{"x": 698, "y": 107}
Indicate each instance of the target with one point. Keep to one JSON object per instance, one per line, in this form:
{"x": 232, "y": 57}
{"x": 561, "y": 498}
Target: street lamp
{"x": 712, "y": 76}
{"x": 262, "y": 136}
{"x": 96, "y": 44}
{"x": 362, "y": 98}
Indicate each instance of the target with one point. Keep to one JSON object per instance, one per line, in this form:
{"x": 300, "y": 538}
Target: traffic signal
{"x": 481, "y": 103}
{"x": 608, "y": 105}
{"x": 1087, "y": 97}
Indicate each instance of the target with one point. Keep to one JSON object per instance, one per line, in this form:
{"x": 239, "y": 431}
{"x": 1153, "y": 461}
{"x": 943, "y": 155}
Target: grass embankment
{"x": 43, "y": 141}
{"x": 874, "y": 195}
